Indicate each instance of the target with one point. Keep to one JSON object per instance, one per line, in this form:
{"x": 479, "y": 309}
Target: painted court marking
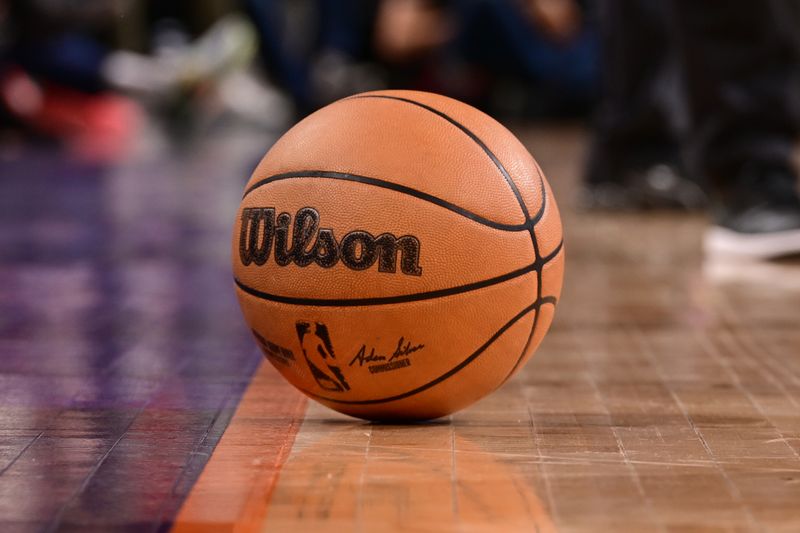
{"x": 234, "y": 490}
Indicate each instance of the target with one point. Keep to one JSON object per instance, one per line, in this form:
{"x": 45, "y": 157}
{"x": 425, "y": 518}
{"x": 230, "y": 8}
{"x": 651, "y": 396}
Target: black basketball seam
{"x": 540, "y": 213}
{"x": 405, "y": 298}
{"x": 324, "y": 174}
{"x": 539, "y": 272}
{"x": 530, "y": 222}
{"x": 536, "y": 305}
{"x": 469, "y": 134}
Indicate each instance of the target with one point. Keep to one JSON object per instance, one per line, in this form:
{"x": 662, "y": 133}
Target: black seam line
{"x": 530, "y": 221}
{"x": 536, "y": 266}
{"x": 536, "y": 319}
{"x": 392, "y": 186}
{"x": 524, "y": 349}
{"x": 355, "y": 302}
{"x": 536, "y": 252}
{"x": 540, "y": 213}
{"x": 470, "y": 134}
{"x": 546, "y": 299}
{"x": 534, "y": 306}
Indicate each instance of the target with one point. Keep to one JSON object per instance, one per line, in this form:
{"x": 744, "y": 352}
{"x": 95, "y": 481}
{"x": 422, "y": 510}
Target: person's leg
{"x": 342, "y": 63}
{"x": 69, "y": 59}
{"x": 285, "y": 50}
{"x": 742, "y": 68}
{"x": 634, "y": 158}
{"x": 501, "y": 36}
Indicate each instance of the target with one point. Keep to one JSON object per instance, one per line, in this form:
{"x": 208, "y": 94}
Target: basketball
{"x": 398, "y": 255}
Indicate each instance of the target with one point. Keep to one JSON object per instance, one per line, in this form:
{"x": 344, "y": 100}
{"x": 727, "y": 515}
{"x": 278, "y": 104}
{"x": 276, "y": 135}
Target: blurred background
{"x": 96, "y": 76}
{"x": 128, "y": 129}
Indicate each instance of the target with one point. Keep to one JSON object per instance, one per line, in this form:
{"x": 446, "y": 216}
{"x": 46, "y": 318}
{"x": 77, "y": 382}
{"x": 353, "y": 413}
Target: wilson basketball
{"x": 398, "y": 255}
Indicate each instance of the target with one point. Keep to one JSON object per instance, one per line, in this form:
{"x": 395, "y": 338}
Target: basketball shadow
{"x": 349, "y": 423}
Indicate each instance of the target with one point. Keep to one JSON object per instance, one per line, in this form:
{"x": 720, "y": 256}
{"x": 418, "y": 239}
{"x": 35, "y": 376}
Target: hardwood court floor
{"x": 666, "y": 396}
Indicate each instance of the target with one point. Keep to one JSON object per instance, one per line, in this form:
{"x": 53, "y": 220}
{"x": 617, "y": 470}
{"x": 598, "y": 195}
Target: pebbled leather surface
{"x": 396, "y": 345}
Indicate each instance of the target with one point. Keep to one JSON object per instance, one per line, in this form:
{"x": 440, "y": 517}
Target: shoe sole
{"x": 722, "y": 241}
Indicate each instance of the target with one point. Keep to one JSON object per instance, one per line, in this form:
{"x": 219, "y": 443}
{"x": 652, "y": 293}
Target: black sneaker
{"x": 657, "y": 186}
{"x": 758, "y": 216}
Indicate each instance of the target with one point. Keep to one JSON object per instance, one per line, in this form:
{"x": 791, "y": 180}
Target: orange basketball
{"x": 398, "y": 255}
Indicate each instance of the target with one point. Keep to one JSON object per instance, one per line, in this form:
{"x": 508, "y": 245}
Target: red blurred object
{"x": 97, "y": 127}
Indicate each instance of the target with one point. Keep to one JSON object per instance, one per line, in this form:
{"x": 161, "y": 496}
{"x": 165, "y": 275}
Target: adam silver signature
{"x": 403, "y": 349}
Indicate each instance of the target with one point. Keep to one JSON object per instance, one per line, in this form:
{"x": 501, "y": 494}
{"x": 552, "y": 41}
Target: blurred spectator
{"x": 718, "y": 85}
{"x": 318, "y": 50}
{"x": 50, "y": 80}
{"x": 77, "y": 71}
{"x": 531, "y": 57}
{"x": 475, "y": 50}
{"x": 62, "y": 63}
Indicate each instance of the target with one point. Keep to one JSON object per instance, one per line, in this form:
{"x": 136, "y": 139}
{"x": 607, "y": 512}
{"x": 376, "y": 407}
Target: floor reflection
{"x": 120, "y": 339}
{"x": 347, "y": 475}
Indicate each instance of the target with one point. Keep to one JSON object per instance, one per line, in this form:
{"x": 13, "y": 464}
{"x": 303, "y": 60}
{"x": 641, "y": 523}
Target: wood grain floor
{"x": 666, "y": 397}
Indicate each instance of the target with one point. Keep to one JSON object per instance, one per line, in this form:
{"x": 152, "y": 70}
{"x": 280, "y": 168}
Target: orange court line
{"x": 234, "y": 490}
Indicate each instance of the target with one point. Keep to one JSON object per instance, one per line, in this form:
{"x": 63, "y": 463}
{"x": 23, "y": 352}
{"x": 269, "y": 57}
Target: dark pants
{"x": 714, "y": 81}
{"x": 342, "y": 26}
{"x": 498, "y": 36}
